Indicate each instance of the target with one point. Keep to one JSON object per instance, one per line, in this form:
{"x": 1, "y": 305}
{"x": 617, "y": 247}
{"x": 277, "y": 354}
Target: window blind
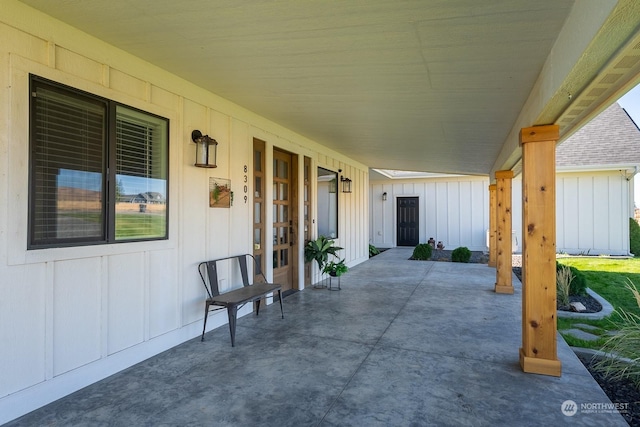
{"x": 141, "y": 172}
{"x": 68, "y": 162}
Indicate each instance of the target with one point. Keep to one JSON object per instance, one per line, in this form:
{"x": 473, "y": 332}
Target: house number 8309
{"x": 246, "y": 179}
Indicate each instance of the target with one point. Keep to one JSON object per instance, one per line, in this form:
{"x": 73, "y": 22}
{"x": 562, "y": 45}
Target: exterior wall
{"x": 453, "y": 210}
{"x": 72, "y": 316}
{"x": 353, "y": 212}
{"x": 592, "y": 212}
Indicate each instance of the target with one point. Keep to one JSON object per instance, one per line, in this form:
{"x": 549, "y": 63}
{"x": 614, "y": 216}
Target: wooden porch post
{"x": 504, "y": 267}
{"x": 539, "y": 348}
{"x": 492, "y": 225}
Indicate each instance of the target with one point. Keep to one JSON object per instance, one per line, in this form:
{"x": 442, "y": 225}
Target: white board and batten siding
{"x": 592, "y": 211}
{"x": 454, "y": 210}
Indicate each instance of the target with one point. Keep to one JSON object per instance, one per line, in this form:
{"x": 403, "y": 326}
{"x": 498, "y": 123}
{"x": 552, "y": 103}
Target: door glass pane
{"x": 257, "y": 238}
{"x": 284, "y": 213}
{"x": 306, "y": 212}
{"x": 275, "y": 213}
{"x": 284, "y": 236}
{"x": 283, "y": 169}
{"x": 257, "y": 208}
{"x": 284, "y": 257}
{"x": 275, "y": 236}
{"x": 283, "y": 191}
{"x": 275, "y": 259}
{"x": 258, "y": 187}
{"x": 257, "y": 161}
{"x": 275, "y": 191}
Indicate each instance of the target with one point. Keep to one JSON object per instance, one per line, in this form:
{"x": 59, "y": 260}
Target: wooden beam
{"x": 504, "y": 269}
{"x": 492, "y": 225}
{"x": 539, "y": 347}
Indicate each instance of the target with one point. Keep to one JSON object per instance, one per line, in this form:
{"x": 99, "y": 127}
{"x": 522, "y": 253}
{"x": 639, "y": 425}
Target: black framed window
{"x": 98, "y": 169}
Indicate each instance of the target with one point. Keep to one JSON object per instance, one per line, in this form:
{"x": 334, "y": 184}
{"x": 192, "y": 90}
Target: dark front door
{"x": 408, "y": 233}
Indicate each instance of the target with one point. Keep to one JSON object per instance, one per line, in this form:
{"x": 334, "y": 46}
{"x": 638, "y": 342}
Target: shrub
{"x": 634, "y": 237}
{"x": 422, "y": 252}
{"x": 564, "y": 277}
{"x": 623, "y": 349}
{"x": 578, "y": 284}
{"x": 373, "y": 251}
{"x": 461, "y": 254}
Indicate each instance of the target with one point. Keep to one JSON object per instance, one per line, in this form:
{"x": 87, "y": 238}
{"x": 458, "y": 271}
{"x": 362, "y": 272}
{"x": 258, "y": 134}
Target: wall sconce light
{"x": 205, "y": 155}
{"x": 384, "y": 196}
{"x": 346, "y": 183}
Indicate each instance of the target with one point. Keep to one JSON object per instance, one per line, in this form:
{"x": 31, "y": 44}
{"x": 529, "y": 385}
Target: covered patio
{"x": 403, "y": 343}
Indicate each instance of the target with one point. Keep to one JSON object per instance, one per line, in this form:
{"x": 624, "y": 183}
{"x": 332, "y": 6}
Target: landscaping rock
{"x": 619, "y": 390}
{"x": 580, "y": 334}
{"x": 577, "y": 306}
{"x": 586, "y": 327}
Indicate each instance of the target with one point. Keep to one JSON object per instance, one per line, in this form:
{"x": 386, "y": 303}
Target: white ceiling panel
{"x": 427, "y": 85}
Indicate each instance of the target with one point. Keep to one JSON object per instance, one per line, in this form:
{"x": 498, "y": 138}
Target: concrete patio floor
{"x": 404, "y": 343}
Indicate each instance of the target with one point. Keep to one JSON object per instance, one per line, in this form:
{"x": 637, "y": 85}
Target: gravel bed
{"x": 592, "y": 305}
{"x": 622, "y": 391}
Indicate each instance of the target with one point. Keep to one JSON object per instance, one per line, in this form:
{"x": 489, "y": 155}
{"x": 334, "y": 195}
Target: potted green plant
{"x": 335, "y": 269}
{"x": 320, "y": 250}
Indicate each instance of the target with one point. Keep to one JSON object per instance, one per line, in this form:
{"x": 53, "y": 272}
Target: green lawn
{"x": 607, "y": 277}
{"x": 139, "y": 225}
{"x": 129, "y": 225}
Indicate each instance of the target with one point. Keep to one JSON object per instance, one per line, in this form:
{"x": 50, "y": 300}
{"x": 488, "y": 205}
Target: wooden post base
{"x": 534, "y": 365}
{"x": 503, "y": 289}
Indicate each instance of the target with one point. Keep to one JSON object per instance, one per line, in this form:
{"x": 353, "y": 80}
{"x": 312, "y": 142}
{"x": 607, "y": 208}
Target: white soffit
{"x": 431, "y": 85}
{"x": 394, "y": 174}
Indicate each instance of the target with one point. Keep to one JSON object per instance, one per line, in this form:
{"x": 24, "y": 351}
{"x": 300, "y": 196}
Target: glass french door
{"x": 258, "y": 205}
{"x": 283, "y": 226}
{"x": 307, "y": 215}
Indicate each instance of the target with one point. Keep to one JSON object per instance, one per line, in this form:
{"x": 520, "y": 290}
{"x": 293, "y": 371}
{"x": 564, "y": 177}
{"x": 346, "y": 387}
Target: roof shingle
{"x": 610, "y": 139}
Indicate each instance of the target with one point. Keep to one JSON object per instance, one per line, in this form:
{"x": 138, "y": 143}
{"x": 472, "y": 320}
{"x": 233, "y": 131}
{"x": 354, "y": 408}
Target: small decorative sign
{"x": 220, "y": 193}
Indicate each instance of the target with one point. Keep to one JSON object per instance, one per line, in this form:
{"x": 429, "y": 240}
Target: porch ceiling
{"x": 425, "y": 85}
